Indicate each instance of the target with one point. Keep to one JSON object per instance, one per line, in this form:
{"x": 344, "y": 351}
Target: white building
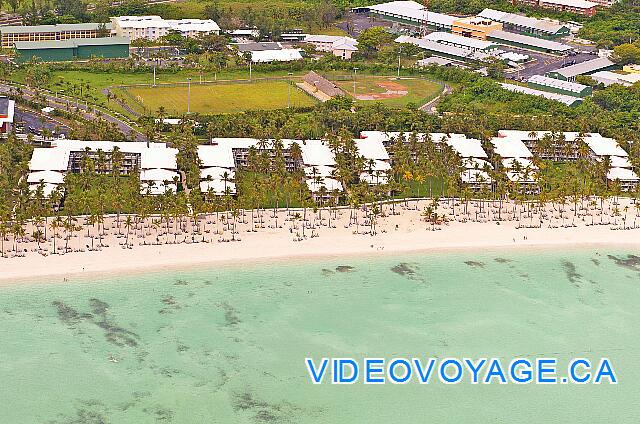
{"x": 7, "y": 111}
{"x": 154, "y": 27}
{"x": 342, "y": 47}
{"x": 156, "y": 163}
{"x": 609, "y": 78}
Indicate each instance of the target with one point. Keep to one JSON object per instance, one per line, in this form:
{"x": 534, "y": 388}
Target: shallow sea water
{"x": 227, "y": 344}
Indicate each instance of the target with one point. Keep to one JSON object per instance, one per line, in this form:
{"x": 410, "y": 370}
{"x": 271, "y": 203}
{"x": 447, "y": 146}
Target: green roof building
{"x": 76, "y": 49}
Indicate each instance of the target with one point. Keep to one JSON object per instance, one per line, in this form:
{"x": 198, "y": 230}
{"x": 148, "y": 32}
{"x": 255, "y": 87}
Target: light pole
{"x": 399, "y": 54}
{"x": 289, "y": 100}
{"x": 355, "y": 74}
{"x": 250, "y": 61}
{"x": 189, "y": 96}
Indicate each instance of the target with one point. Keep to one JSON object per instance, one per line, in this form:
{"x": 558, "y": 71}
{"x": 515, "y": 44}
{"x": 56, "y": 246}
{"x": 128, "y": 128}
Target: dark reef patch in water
{"x": 572, "y": 274}
{"x": 327, "y": 272}
{"x": 67, "y": 314}
{"x": 475, "y": 264}
{"x": 407, "y": 270}
{"x": 502, "y": 260}
{"x": 171, "y": 305}
{"x": 264, "y": 412}
{"x": 113, "y": 333}
{"x": 181, "y": 283}
{"x": 631, "y": 262}
{"x": 231, "y": 315}
{"x": 595, "y": 261}
{"x": 345, "y": 268}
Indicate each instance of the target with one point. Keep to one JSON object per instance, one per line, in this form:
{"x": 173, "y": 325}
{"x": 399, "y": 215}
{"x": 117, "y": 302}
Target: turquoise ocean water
{"x": 227, "y": 345}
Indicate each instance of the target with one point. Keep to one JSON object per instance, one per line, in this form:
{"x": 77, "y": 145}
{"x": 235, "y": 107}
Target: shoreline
{"x": 262, "y": 248}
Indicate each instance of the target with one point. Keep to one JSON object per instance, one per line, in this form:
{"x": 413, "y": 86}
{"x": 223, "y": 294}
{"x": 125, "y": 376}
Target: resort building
{"x": 562, "y": 98}
{"x": 376, "y": 160}
{"x": 320, "y": 87}
{"x": 608, "y": 78}
{"x": 154, "y": 27}
{"x": 342, "y": 47}
{"x": 7, "y": 111}
{"x": 221, "y": 159}
{"x": 409, "y": 13}
{"x": 559, "y": 86}
{"x": 155, "y": 161}
{"x": 570, "y": 73}
{"x": 462, "y": 41}
{"x": 76, "y": 49}
{"x": 528, "y": 43}
{"x": 12, "y": 34}
{"x": 475, "y": 27}
{"x": 516, "y": 159}
{"x": 631, "y": 69}
{"x": 525, "y": 25}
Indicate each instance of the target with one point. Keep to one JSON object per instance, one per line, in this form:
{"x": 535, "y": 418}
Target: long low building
{"x": 562, "y": 98}
{"x": 65, "y": 50}
{"x": 608, "y": 78}
{"x": 154, "y": 27}
{"x": 443, "y": 50}
{"x": 408, "y": 13}
{"x": 12, "y": 34}
{"x": 559, "y": 86}
{"x": 528, "y": 43}
{"x": 526, "y": 25}
{"x": 569, "y": 73}
{"x": 462, "y": 42}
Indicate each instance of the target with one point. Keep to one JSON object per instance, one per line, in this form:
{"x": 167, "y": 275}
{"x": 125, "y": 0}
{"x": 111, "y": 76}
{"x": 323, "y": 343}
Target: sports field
{"x": 389, "y": 90}
{"x": 227, "y": 97}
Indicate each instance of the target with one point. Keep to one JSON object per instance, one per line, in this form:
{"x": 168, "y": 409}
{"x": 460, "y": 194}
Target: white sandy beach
{"x": 412, "y": 234}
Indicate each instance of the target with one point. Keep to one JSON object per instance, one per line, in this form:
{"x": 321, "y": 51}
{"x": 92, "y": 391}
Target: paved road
{"x": 39, "y": 121}
{"x": 545, "y": 63}
{"x": 431, "y": 106}
{"x": 86, "y": 112}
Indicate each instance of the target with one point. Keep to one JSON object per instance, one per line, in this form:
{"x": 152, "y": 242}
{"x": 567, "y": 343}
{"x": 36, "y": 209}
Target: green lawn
{"x": 220, "y": 97}
{"x": 419, "y": 91}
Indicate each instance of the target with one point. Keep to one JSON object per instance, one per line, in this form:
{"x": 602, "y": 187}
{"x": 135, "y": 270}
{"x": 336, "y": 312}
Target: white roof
{"x": 622, "y": 174}
{"x": 436, "y": 48}
{"x": 188, "y": 25}
{"x": 216, "y": 173}
{"x": 283, "y": 55}
{"x": 319, "y": 171}
{"x": 158, "y": 158}
{"x": 217, "y": 186}
{"x": 373, "y": 178}
{"x": 580, "y": 4}
{"x": 584, "y": 67}
{"x": 316, "y": 152}
{"x": 620, "y": 162}
{"x": 371, "y": 149}
{"x": 329, "y": 183}
{"x": 608, "y": 78}
{"x": 529, "y": 41}
{"x": 47, "y": 188}
{"x": 467, "y": 147}
{"x": 510, "y": 147}
{"x": 603, "y": 146}
{"x": 556, "y": 83}
{"x": 330, "y": 39}
{"x": 447, "y": 37}
{"x": 521, "y": 21}
{"x": 158, "y": 175}
{"x": 524, "y": 163}
{"x": 413, "y": 11}
{"x": 562, "y": 98}
{"x": 155, "y": 188}
{"x": 49, "y": 159}
{"x": 140, "y": 22}
{"x": 475, "y": 176}
{"x": 51, "y": 177}
{"x": 475, "y": 163}
{"x": 220, "y": 156}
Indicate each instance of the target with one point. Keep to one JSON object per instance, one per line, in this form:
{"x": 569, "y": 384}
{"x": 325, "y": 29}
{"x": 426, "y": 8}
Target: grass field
{"x": 418, "y": 91}
{"x": 220, "y": 97}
